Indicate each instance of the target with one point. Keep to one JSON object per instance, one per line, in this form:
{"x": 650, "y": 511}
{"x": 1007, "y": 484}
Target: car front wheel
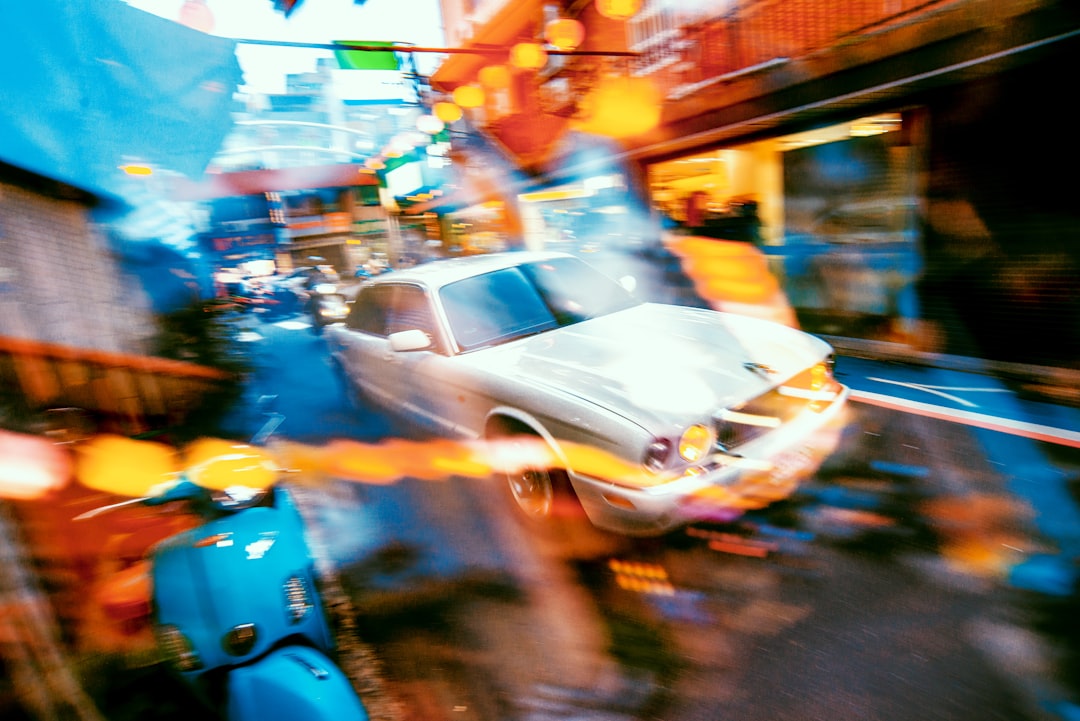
{"x": 533, "y": 492}
{"x": 544, "y": 502}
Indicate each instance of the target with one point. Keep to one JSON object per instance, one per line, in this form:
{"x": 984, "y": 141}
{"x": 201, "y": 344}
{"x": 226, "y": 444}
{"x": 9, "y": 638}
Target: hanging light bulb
{"x": 447, "y": 112}
{"x": 564, "y": 33}
{"x": 528, "y": 56}
{"x": 430, "y": 124}
{"x": 618, "y": 9}
{"x": 494, "y": 76}
{"x": 469, "y": 96}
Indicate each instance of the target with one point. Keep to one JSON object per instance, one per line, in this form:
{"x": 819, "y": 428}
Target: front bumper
{"x": 723, "y": 487}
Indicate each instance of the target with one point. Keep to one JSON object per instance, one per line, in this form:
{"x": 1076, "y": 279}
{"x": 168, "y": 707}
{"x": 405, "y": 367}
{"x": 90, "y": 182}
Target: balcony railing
{"x": 684, "y": 52}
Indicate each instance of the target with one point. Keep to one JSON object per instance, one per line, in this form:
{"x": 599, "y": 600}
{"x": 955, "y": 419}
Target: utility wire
{"x": 399, "y": 48}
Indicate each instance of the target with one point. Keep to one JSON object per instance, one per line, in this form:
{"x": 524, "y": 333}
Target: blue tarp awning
{"x": 89, "y": 85}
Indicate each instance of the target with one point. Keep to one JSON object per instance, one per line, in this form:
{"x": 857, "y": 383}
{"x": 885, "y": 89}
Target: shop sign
{"x": 233, "y": 237}
{"x": 319, "y": 225}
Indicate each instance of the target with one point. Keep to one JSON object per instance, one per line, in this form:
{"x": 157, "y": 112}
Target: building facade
{"x": 893, "y": 159}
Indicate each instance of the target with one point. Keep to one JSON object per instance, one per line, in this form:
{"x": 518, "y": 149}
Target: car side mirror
{"x": 408, "y": 340}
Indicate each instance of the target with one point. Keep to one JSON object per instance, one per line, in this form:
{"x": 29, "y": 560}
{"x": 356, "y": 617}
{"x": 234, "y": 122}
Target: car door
{"x": 362, "y": 347}
{"x": 420, "y": 394}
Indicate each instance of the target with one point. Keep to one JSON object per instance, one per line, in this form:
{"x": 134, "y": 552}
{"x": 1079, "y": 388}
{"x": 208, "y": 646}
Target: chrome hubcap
{"x": 532, "y": 491}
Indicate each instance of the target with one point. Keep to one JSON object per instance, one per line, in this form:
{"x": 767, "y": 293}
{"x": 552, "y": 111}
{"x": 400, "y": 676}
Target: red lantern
{"x": 564, "y": 34}
{"x": 621, "y": 107}
{"x": 447, "y": 112}
{"x": 528, "y": 56}
{"x": 468, "y": 96}
{"x": 618, "y": 9}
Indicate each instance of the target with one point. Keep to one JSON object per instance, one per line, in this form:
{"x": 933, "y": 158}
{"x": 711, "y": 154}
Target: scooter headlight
{"x": 298, "y": 601}
{"x": 235, "y": 498}
{"x": 240, "y": 639}
{"x": 177, "y": 648}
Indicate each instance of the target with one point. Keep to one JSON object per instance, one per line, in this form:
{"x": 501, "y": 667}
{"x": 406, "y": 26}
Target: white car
{"x": 652, "y": 416}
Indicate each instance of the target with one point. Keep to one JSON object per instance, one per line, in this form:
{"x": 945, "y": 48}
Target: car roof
{"x": 437, "y": 273}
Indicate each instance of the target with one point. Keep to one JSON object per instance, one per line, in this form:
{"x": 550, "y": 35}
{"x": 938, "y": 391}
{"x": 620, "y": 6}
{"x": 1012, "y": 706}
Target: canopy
{"x": 89, "y": 85}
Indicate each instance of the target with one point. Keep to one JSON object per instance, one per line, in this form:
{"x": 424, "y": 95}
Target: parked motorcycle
{"x": 326, "y": 306}
{"x": 235, "y": 607}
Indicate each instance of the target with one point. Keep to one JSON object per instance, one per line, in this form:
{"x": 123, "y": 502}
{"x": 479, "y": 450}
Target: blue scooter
{"x": 235, "y": 609}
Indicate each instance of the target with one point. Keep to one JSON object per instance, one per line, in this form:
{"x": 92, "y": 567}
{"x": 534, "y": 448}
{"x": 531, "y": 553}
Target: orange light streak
{"x": 129, "y": 467}
{"x": 31, "y": 467}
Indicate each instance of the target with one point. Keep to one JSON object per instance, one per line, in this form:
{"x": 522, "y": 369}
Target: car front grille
{"x": 758, "y": 416}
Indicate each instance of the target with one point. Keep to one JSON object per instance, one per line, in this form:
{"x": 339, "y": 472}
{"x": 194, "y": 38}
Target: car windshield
{"x": 531, "y": 298}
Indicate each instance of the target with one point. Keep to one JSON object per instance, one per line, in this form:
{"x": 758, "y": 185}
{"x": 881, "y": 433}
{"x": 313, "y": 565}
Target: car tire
{"x": 543, "y": 502}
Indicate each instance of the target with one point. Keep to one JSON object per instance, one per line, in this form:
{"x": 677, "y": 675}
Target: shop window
{"x": 834, "y": 209}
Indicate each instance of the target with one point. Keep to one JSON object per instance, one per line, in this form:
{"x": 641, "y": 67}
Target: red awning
{"x": 257, "y": 182}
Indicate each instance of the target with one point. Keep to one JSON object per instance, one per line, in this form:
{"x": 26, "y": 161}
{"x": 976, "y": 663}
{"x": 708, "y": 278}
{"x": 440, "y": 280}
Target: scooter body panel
{"x": 232, "y": 573}
{"x": 294, "y": 682}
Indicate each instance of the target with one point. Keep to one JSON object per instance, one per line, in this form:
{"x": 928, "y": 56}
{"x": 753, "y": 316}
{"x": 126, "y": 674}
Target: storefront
{"x": 835, "y": 209}
{"x": 486, "y": 227}
{"x": 594, "y": 214}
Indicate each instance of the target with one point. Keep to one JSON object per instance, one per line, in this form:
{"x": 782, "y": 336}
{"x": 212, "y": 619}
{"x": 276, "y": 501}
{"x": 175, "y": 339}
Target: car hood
{"x": 660, "y": 363}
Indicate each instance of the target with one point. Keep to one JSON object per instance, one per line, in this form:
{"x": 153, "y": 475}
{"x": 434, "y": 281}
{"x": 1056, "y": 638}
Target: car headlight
{"x": 696, "y": 442}
{"x": 821, "y": 375}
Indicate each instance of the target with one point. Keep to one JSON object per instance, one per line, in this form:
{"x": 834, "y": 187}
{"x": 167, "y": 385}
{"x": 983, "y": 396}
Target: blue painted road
{"x": 1035, "y": 444}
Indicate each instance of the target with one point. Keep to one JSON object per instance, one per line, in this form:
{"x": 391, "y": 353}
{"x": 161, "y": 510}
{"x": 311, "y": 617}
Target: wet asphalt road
{"x": 874, "y": 594}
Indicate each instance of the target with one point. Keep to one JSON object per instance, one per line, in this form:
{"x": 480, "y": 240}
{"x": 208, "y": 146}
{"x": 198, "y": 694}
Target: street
{"x": 882, "y": 590}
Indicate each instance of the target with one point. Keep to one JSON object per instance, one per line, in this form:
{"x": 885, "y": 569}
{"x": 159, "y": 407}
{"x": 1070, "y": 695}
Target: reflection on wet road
{"x": 913, "y": 578}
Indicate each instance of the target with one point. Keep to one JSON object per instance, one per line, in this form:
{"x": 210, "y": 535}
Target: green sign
{"x": 366, "y": 59}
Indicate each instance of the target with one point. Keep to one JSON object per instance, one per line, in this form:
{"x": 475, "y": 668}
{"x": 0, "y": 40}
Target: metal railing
{"x": 683, "y": 52}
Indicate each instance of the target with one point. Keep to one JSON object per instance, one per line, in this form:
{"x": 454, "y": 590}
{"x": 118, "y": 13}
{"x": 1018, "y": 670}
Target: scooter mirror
{"x": 222, "y": 465}
{"x": 125, "y": 466}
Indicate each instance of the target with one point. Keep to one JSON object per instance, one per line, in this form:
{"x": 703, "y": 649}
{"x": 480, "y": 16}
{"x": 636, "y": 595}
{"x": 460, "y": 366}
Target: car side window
{"x": 411, "y": 310}
{"x": 369, "y": 311}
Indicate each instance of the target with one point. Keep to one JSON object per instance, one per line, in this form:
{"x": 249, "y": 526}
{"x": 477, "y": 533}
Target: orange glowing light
{"x": 528, "y": 56}
{"x": 494, "y": 76}
{"x": 618, "y": 9}
{"x": 469, "y": 96}
{"x": 374, "y": 164}
{"x": 31, "y": 467}
{"x": 621, "y": 107}
{"x": 733, "y": 276}
{"x": 218, "y": 464}
{"x": 124, "y": 466}
{"x": 447, "y": 112}
{"x": 564, "y": 33}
